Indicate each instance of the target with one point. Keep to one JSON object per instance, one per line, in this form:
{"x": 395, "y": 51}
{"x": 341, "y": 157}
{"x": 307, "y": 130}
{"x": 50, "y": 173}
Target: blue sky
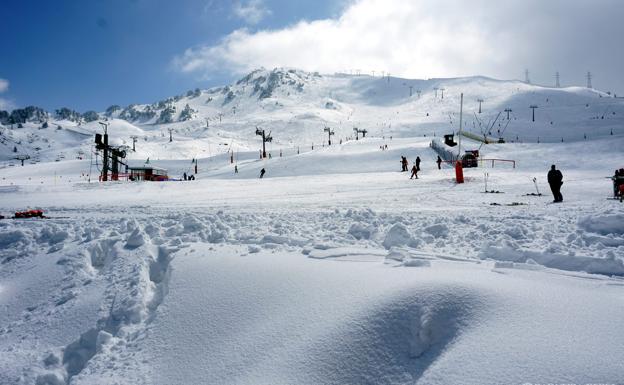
{"x": 89, "y": 54}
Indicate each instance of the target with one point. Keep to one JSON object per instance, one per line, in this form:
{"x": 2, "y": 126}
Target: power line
{"x": 526, "y": 77}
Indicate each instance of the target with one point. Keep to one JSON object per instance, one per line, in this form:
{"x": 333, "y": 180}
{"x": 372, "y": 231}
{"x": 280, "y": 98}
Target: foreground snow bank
{"x": 384, "y": 297}
{"x": 310, "y": 321}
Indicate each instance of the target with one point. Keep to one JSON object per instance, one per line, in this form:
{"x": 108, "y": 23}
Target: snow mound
{"x": 438, "y": 230}
{"x": 398, "y": 235}
{"x": 136, "y": 239}
{"x": 361, "y": 231}
{"x": 607, "y": 266}
{"x": 603, "y": 224}
{"x": 415, "y": 262}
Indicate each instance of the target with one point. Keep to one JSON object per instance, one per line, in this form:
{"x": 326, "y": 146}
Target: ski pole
{"x": 536, "y": 188}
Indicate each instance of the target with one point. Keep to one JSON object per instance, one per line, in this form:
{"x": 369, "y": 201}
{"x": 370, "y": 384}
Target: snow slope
{"x": 335, "y": 268}
{"x": 295, "y": 106}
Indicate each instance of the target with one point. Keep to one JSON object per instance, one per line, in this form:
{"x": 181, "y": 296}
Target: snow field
{"x": 335, "y": 268}
{"x": 107, "y": 273}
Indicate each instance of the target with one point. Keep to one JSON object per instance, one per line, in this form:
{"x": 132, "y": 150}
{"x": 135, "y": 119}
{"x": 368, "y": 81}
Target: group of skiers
{"x": 555, "y": 178}
{"x": 416, "y": 167}
{"x": 185, "y": 176}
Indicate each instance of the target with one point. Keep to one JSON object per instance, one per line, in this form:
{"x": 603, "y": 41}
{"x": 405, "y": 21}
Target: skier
{"x": 404, "y": 163}
{"x": 618, "y": 183}
{"x": 262, "y": 172}
{"x": 439, "y": 162}
{"x": 184, "y": 176}
{"x": 414, "y": 172}
{"x": 418, "y": 163}
{"x": 555, "y": 180}
{"x": 235, "y": 169}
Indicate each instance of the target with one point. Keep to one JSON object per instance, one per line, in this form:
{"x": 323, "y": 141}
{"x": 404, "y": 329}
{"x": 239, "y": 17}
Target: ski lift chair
{"x": 448, "y": 140}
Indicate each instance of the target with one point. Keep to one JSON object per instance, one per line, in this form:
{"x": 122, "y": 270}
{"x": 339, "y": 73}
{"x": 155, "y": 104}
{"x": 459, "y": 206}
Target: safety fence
{"x": 485, "y": 161}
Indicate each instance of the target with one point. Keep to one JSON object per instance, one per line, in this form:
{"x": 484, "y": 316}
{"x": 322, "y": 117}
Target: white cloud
{"x": 429, "y": 38}
{"x": 6, "y": 104}
{"x": 4, "y": 85}
{"x": 253, "y": 11}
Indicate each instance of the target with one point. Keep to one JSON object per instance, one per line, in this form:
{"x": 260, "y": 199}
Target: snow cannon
{"x": 459, "y": 172}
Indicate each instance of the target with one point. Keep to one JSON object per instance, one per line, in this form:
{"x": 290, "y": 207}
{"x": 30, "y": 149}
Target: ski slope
{"x": 334, "y": 268}
{"x": 295, "y": 106}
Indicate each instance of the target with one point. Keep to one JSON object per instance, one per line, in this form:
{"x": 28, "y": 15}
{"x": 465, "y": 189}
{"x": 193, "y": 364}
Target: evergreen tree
{"x": 4, "y": 117}
{"x": 186, "y": 114}
{"x": 90, "y": 116}
{"x": 112, "y": 109}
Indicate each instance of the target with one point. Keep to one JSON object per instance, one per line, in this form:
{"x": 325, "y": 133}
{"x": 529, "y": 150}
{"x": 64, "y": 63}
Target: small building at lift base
{"x": 148, "y": 173}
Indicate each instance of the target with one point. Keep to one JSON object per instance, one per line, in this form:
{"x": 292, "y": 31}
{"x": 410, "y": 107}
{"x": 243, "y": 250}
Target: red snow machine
{"x": 29, "y": 214}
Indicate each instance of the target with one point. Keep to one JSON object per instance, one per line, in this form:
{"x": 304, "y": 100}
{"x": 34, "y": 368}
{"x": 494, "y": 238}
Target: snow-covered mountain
{"x": 295, "y": 106}
{"x": 335, "y": 267}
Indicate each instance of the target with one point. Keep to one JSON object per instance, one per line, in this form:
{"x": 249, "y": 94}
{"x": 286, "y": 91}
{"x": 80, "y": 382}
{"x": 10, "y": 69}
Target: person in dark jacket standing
{"x": 439, "y": 162}
{"x": 418, "y": 163}
{"x": 262, "y": 172}
{"x": 404, "y": 163}
{"x": 555, "y": 180}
